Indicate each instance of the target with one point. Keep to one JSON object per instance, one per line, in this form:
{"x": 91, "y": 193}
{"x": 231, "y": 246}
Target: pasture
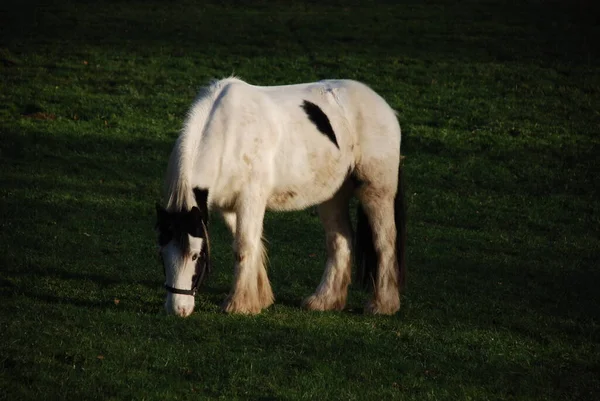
{"x": 499, "y": 104}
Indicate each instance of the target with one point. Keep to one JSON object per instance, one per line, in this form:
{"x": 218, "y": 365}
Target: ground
{"x": 499, "y": 108}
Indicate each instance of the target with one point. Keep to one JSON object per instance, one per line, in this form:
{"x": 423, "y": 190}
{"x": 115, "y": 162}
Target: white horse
{"x": 245, "y": 149}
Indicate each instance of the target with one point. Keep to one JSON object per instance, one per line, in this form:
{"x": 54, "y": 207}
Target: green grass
{"x": 500, "y": 109}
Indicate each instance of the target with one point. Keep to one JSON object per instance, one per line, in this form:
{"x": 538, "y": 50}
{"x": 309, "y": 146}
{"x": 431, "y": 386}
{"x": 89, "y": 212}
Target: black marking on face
{"x": 320, "y": 119}
{"x": 179, "y": 225}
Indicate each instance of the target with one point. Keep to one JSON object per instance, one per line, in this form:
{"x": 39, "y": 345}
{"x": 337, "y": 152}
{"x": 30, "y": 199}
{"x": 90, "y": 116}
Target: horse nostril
{"x": 182, "y": 311}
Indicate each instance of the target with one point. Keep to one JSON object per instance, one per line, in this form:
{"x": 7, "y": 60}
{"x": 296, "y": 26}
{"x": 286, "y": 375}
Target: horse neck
{"x": 184, "y": 171}
{"x": 190, "y": 164}
{"x": 182, "y": 163}
{"x": 178, "y": 188}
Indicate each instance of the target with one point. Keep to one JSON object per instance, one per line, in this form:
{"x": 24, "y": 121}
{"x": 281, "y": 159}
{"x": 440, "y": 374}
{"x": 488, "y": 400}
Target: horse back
{"x": 298, "y": 143}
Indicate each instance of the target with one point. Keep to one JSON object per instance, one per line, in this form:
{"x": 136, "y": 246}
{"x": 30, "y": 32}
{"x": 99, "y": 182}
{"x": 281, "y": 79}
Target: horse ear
{"x": 201, "y": 196}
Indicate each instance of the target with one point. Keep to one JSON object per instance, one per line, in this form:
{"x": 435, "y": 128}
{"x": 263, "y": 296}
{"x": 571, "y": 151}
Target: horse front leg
{"x": 332, "y": 292}
{"x": 251, "y": 291}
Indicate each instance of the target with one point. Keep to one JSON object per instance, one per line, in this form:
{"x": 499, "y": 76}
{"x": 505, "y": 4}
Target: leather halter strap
{"x": 174, "y": 290}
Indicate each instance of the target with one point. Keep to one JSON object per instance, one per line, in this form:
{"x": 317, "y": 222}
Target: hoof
{"x": 320, "y": 303}
{"x": 266, "y": 299}
{"x": 237, "y": 304}
{"x": 375, "y": 307}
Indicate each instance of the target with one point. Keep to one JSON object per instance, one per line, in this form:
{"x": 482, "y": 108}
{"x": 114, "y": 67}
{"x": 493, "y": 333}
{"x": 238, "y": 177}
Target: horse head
{"x": 185, "y": 252}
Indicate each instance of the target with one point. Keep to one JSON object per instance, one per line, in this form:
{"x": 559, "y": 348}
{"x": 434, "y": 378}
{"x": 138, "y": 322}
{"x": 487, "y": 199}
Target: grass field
{"x": 500, "y": 108}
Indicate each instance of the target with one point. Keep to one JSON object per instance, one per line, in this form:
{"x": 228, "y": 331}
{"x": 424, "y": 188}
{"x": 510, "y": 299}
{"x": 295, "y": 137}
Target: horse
{"x": 245, "y": 149}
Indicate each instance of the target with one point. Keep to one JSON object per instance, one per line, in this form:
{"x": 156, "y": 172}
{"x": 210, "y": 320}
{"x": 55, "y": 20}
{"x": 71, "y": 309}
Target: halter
{"x": 191, "y": 292}
{"x": 196, "y": 279}
{"x": 174, "y": 290}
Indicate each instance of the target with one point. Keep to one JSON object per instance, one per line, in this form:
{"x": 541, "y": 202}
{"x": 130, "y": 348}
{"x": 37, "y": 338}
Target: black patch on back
{"x": 320, "y": 119}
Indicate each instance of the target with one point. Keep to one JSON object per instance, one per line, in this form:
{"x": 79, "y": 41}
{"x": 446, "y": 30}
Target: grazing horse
{"x": 245, "y": 149}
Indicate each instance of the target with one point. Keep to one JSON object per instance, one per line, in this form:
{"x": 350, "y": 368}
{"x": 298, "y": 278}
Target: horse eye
{"x": 194, "y": 257}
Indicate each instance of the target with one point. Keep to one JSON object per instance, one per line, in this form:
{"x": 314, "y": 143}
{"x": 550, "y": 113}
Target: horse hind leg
{"x": 378, "y": 205}
{"x": 332, "y": 292}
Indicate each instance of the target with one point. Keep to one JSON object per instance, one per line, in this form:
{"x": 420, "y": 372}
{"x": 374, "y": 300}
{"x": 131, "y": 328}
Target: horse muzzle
{"x": 179, "y": 305}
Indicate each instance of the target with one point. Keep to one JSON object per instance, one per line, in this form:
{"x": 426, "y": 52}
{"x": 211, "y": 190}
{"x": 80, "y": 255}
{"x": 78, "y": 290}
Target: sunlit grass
{"x": 499, "y": 109}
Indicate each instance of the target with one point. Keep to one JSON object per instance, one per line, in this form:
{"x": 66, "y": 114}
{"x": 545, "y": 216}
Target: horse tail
{"x": 400, "y": 220}
{"x": 364, "y": 248}
{"x": 365, "y": 257}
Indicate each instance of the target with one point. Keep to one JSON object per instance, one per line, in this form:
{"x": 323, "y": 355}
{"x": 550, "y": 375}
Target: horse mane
{"x": 178, "y": 182}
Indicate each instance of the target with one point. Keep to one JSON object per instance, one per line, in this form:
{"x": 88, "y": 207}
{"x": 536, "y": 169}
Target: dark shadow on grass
{"x": 102, "y": 281}
{"x": 61, "y": 300}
